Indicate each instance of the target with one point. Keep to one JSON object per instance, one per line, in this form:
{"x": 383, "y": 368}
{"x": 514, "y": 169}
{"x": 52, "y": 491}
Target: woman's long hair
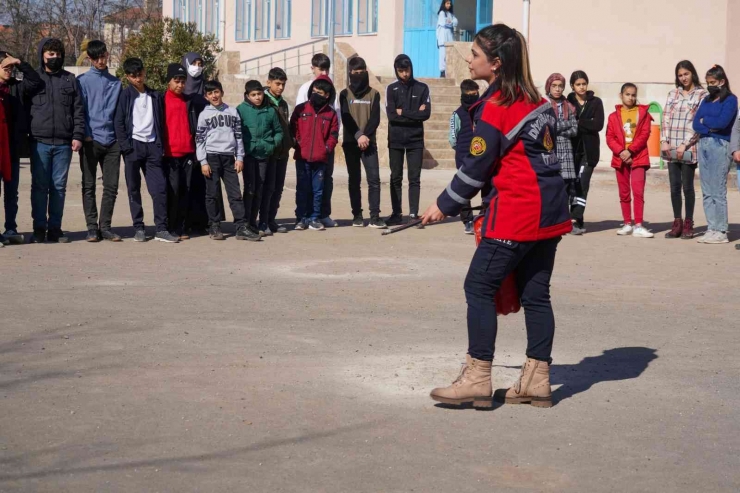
{"x": 718, "y": 72}
{"x": 443, "y": 9}
{"x": 687, "y": 65}
{"x": 515, "y": 77}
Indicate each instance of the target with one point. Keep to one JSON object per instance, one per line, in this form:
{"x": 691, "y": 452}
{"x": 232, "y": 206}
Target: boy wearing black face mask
{"x": 360, "y": 105}
{"x": 57, "y": 129}
{"x": 461, "y": 134}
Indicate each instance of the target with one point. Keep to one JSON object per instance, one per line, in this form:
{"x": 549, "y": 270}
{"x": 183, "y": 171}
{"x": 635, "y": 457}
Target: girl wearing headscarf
{"x": 567, "y": 128}
{"x": 193, "y": 63}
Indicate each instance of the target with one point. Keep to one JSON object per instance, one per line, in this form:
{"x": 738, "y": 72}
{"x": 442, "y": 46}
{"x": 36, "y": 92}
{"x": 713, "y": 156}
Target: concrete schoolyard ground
{"x": 303, "y": 363}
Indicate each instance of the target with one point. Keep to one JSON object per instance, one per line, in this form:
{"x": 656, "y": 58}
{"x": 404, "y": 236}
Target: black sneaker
{"x": 93, "y": 236}
{"x": 109, "y": 235}
{"x": 244, "y": 233}
{"x": 140, "y": 235}
{"x": 56, "y": 236}
{"x": 394, "y": 220}
{"x": 469, "y": 228}
{"x": 316, "y": 225}
{"x": 376, "y": 222}
{"x": 13, "y": 237}
{"x": 4, "y": 241}
{"x": 166, "y": 237}
{"x": 276, "y": 228}
{"x": 265, "y": 230}
{"x": 358, "y": 221}
{"x": 301, "y": 225}
{"x": 215, "y": 233}
{"x": 414, "y": 217}
{"x": 38, "y": 236}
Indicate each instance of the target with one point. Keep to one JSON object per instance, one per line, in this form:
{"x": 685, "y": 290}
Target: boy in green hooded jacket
{"x": 262, "y": 134}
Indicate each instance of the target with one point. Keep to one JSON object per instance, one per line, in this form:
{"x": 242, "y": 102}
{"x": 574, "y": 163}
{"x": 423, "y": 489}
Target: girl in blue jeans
{"x": 713, "y": 125}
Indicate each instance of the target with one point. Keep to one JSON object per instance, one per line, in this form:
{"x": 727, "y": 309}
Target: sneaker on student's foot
{"x": 642, "y": 232}
{"x": 358, "y": 221}
{"x": 265, "y": 230}
{"x": 394, "y": 220}
{"x": 140, "y": 235}
{"x": 301, "y": 225}
{"x": 718, "y": 238}
{"x": 93, "y": 236}
{"x": 329, "y": 222}
{"x": 215, "y": 233}
{"x": 578, "y": 229}
{"x": 708, "y": 235}
{"x": 56, "y": 236}
{"x": 109, "y": 235}
{"x": 276, "y": 228}
{"x": 625, "y": 230}
{"x": 244, "y": 233}
{"x": 166, "y": 237}
{"x": 38, "y": 236}
{"x": 469, "y": 228}
{"x": 13, "y": 237}
{"x": 4, "y": 241}
{"x": 316, "y": 225}
{"x": 377, "y": 223}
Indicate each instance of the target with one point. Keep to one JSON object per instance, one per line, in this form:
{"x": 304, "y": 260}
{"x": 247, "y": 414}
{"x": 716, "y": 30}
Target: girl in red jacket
{"x": 627, "y": 136}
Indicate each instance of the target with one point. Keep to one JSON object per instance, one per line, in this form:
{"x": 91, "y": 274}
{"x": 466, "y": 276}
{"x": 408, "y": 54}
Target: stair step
{"x": 441, "y": 135}
{"x": 431, "y": 82}
{"x": 439, "y": 154}
{"x": 431, "y": 143}
{"x": 447, "y": 97}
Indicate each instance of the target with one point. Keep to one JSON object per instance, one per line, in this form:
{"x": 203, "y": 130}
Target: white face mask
{"x": 194, "y": 70}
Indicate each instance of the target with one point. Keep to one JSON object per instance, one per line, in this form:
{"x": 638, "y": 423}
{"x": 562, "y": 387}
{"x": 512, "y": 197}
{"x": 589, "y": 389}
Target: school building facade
{"x": 612, "y": 40}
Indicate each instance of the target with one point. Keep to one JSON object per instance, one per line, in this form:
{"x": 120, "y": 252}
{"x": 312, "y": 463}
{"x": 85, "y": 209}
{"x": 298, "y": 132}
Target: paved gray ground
{"x": 304, "y": 363}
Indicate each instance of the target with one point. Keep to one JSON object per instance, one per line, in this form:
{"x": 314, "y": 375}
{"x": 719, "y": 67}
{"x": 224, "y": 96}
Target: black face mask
{"x": 468, "y": 100}
{"x": 713, "y": 91}
{"x": 358, "y": 83}
{"x": 318, "y": 101}
{"x": 54, "y": 64}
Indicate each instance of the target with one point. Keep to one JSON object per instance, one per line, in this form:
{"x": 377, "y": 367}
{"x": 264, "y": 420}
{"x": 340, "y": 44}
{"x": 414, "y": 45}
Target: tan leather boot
{"x": 533, "y": 386}
{"x": 472, "y": 385}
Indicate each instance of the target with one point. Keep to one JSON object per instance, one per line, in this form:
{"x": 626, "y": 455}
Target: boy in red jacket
{"x": 316, "y": 129}
{"x": 627, "y": 136}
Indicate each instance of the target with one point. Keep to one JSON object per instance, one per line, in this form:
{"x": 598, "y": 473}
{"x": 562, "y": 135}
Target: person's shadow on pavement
{"x": 622, "y": 363}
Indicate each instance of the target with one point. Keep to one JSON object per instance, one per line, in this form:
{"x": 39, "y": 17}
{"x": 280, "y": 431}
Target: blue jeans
{"x": 714, "y": 165}
{"x": 309, "y": 190}
{"x": 49, "y": 171}
{"x": 10, "y": 189}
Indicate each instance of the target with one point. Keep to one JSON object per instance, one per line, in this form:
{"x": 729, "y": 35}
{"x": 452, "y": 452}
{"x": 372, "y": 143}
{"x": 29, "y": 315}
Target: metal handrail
{"x": 276, "y": 55}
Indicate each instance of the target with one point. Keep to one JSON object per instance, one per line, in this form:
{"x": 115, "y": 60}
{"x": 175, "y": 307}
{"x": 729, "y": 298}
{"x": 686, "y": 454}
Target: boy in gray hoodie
{"x": 220, "y": 151}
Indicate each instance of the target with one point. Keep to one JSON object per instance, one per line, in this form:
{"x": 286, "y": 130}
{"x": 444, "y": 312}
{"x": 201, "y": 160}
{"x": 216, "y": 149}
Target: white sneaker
{"x": 706, "y": 236}
{"x": 641, "y": 232}
{"x": 625, "y": 230}
{"x": 718, "y": 238}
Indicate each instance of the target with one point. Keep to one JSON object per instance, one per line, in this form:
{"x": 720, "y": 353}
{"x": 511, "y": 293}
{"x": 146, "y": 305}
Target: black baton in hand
{"x": 408, "y": 225}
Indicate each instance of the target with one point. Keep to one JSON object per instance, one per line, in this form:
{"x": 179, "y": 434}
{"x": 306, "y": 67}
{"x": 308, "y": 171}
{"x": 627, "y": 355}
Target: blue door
{"x": 420, "y": 36}
{"x": 485, "y": 14}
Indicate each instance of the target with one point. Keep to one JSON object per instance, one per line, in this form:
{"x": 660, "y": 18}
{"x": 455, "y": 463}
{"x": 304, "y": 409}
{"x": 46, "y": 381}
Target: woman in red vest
{"x": 512, "y": 160}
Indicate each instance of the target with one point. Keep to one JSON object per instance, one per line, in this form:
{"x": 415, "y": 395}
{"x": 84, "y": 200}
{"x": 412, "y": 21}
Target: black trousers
{"x": 179, "y": 181}
{"x": 281, "y": 169}
{"x": 259, "y": 181}
{"x": 369, "y": 159}
{"x": 681, "y": 176}
{"x": 223, "y": 168}
{"x": 493, "y": 261}
{"x": 414, "y": 160}
{"x": 582, "y": 186}
{"x": 146, "y": 159}
{"x": 93, "y": 154}
{"x": 328, "y": 187}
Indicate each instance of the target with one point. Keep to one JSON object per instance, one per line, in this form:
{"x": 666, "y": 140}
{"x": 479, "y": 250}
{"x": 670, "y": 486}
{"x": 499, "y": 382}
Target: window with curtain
{"x": 320, "y": 17}
{"x": 367, "y": 16}
{"x": 243, "y": 19}
{"x": 282, "y": 19}
{"x": 261, "y": 19}
{"x": 209, "y": 17}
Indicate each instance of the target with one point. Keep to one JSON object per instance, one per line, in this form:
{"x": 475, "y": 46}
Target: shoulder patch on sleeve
{"x": 477, "y": 146}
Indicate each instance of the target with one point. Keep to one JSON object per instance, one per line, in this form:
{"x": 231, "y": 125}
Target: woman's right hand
{"x": 736, "y": 156}
{"x": 665, "y": 147}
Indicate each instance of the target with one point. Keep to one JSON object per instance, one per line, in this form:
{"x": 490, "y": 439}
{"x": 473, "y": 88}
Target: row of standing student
{"x": 696, "y": 130}
{"x": 155, "y": 135}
